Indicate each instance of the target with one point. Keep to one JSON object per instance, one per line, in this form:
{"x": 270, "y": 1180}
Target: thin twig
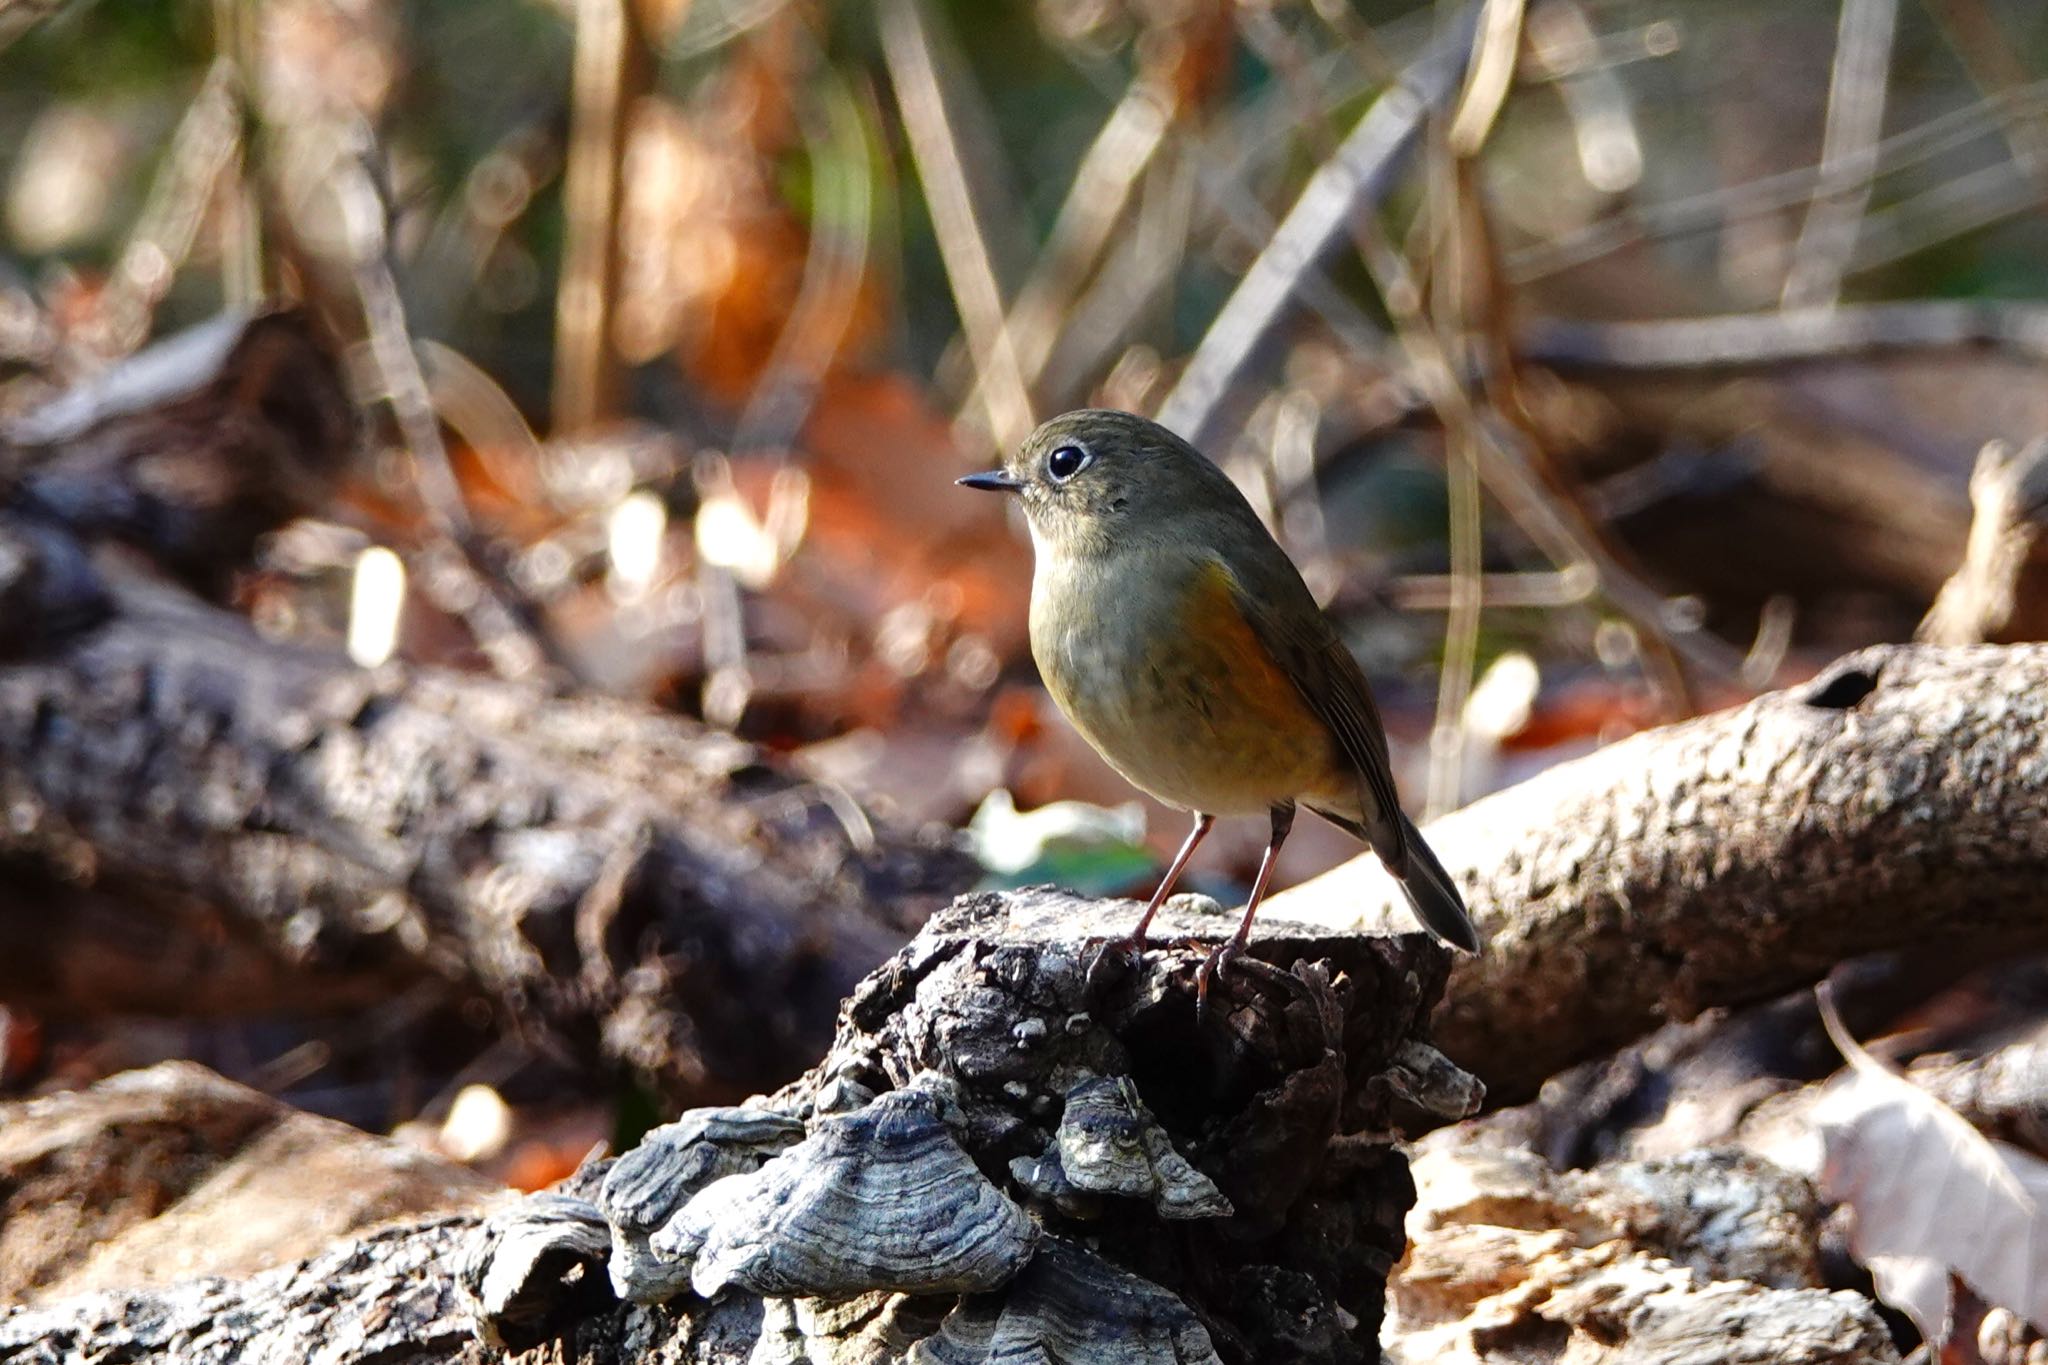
{"x": 1449, "y": 184}
{"x": 1714, "y": 209}
{"x": 1987, "y": 195}
{"x": 206, "y": 146}
{"x": 1102, "y": 187}
{"x": 237, "y": 40}
{"x": 2008, "y": 506}
{"x": 1747, "y": 339}
{"x": 1506, "y": 458}
{"x": 1362, "y": 172}
{"x": 1595, "y": 99}
{"x": 1994, "y": 67}
{"x": 1488, "y": 75}
{"x": 1855, "y": 117}
{"x": 1135, "y": 279}
{"x": 1567, "y": 587}
{"x": 504, "y": 631}
{"x": 499, "y": 189}
{"x": 963, "y": 247}
{"x": 834, "y": 269}
{"x": 612, "y": 70}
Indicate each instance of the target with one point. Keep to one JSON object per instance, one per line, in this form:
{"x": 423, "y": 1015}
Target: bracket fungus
{"x": 883, "y": 1198}
{"x": 1070, "y": 1307}
{"x": 648, "y": 1186}
{"x": 1109, "y": 1144}
{"x": 525, "y": 1263}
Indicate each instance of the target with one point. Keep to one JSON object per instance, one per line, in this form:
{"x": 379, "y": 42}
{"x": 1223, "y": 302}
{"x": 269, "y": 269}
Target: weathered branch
{"x": 387, "y": 1298}
{"x": 1785, "y": 336}
{"x": 173, "y": 1172}
{"x": 191, "y": 449}
{"x": 2008, "y": 501}
{"x": 1895, "y": 801}
{"x": 1711, "y": 1257}
{"x": 595, "y": 866}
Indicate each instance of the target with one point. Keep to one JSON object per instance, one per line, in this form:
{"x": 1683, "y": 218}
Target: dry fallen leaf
{"x": 1931, "y": 1195}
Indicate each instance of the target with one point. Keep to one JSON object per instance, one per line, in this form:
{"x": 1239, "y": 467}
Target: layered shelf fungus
{"x": 881, "y": 1199}
{"x": 1013, "y": 1153}
{"x": 649, "y": 1185}
{"x": 1107, "y": 1144}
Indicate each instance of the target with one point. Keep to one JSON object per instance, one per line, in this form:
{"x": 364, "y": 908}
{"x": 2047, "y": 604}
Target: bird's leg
{"x": 1212, "y": 966}
{"x": 1136, "y": 942}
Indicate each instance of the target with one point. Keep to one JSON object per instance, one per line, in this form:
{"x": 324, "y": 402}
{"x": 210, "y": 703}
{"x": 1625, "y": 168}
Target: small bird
{"x": 1179, "y": 639}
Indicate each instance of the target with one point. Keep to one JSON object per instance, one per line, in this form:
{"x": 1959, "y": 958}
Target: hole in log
{"x": 1840, "y": 691}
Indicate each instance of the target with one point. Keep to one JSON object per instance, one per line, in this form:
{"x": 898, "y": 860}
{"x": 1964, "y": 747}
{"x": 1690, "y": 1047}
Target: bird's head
{"x": 1096, "y": 478}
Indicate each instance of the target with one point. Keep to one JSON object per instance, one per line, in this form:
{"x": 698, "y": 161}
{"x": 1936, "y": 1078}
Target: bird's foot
{"x": 1231, "y": 955}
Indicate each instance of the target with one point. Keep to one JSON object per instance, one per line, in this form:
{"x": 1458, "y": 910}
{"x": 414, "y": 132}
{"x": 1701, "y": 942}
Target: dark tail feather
{"x": 1434, "y": 896}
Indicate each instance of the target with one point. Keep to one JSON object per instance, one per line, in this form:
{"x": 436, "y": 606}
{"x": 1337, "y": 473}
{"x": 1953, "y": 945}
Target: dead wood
{"x": 202, "y": 820}
{"x": 659, "y": 893}
{"x": 1710, "y": 1257}
{"x": 1000, "y": 1041}
{"x": 166, "y": 1174}
{"x": 2008, "y": 500}
{"x": 1894, "y": 802}
{"x": 191, "y": 449}
{"x": 386, "y": 1298}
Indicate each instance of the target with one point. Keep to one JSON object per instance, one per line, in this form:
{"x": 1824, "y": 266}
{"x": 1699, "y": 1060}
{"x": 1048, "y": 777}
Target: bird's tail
{"x": 1433, "y": 895}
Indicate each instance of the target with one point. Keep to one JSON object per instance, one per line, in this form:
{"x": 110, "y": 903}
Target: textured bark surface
{"x": 1706, "y": 1260}
{"x": 1898, "y": 800}
{"x": 192, "y": 448}
{"x": 1283, "y": 1093}
{"x": 387, "y": 1298}
{"x": 595, "y": 866}
{"x": 200, "y": 820}
{"x": 2008, "y": 497}
{"x": 166, "y": 1174}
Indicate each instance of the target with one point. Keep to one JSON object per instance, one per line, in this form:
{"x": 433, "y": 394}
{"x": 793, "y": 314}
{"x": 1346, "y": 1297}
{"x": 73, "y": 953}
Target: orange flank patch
{"x": 1256, "y": 708}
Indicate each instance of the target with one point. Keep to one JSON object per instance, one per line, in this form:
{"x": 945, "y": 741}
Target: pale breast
{"x": 1155, "y": 666}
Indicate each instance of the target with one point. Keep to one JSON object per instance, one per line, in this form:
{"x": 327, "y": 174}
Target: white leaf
{"x": 1931, "y": 1194}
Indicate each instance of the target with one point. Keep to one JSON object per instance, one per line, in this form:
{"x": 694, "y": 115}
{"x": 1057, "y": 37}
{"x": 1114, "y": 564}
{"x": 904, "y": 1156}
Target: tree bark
{"x": 2008, "y": 497}
{"x": 1003, "y": 1013}
{"x": 387, "y": 1298}
{"x": 1893, "y": 802}
{"x": 192, "y": 449}
{"x": 1707, "y": 1258}
{"x": 597, "y": 867}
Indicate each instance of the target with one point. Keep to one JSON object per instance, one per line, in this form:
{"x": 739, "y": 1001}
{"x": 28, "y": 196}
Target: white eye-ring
{"x": 1067, "y": 461}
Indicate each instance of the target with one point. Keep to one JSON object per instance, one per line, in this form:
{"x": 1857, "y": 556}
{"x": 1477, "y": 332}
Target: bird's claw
{"x": 1211, "y": 970}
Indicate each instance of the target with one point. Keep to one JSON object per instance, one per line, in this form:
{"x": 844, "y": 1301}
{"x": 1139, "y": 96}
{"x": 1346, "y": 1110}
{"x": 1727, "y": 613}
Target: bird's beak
{"x": 993, "y": 481}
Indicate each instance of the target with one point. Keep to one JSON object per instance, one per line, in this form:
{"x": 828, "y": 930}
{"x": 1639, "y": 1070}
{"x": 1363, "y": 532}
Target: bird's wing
{"x": 1284, "y": 616}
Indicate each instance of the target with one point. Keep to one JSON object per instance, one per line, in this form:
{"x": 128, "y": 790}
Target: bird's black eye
{"x": 1067, "y": 461}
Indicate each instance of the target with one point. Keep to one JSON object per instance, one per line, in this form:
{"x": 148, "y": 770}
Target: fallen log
{"x": 657, "y": 892}
{"x": 1894, "y": 802}
{"x": 172, "y": 1172}
{"x": 191, "y": 449}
